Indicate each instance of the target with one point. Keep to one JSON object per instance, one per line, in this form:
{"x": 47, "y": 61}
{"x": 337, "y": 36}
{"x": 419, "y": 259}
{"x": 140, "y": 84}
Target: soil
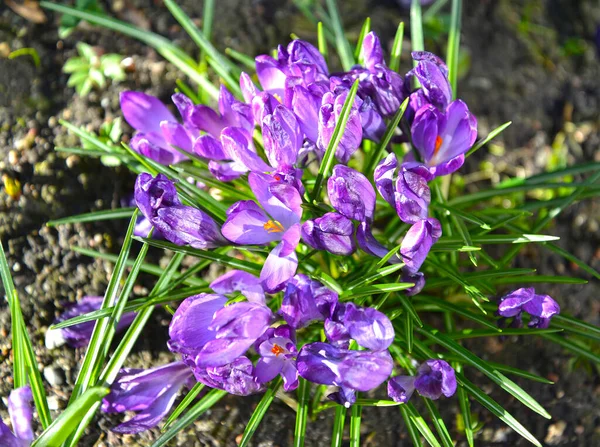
{"x": 531, "y": 61}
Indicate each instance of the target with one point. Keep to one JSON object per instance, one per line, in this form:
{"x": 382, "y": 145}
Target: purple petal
{"x": 425, "y": 131}
{"x": 370, "y": 328}
{"x": 413, "y": 195}
{"x": 418, "y": 241}
{"x": 458, "y": 133}
{"x": 400, "y": 388}
{"x": 21, "y": 412}
{"x": 351, "y": 193}
{"x": 372, "y": 52}
{"x": 267, "y": 368}
{"x": 433, "y": 77}
{"x": 270, "y": 75}
{"x": 332, "y": 232}
{"x": 305, "y": 105}
{"x": 209, "y": 147}
{"x": 373, "y": 125}
{"x": 249, "y": 90}
{"x": 289, "y": 373}
{"x": 304, "y": 52}
{"x": 344, "y": 396}
{"x": 155, "y": 148}
{"x": 434, "y": 378}
{"x": 368, "y": 243}
{"x": 185, "y": 106}
{"x": 299, "y": 306}
{"x": 319, "y": 363}
{"x": 144, "y": 112}
{"x": 282, "y": 137}
{"x": 241, "y": 320}
{"x": 365, "y": 370}
{"x": 236, "y": 377}
{"x": 282, "y": 202}
{"x": 226, "y": 171}
{"x": 542, "y": 306}
{"x": 418, "y": 279}
{"x": 188, "y": 331}
{"x": 152, "y": 193}
{"x": 220, "y": 352}
{"x": 239, "y": 281}
{"x": 278, "y": 268}
{"x": 251, "y": 227}
{"x": 7, "y": 439}
{"x": 384, "y": 178}
{"x": 512, "y": 304}
{"x": 329, "y": 114}
{"x": 186, "y": 225}
{"x": 238, "y": 147}
{"x": 177, "y": 135}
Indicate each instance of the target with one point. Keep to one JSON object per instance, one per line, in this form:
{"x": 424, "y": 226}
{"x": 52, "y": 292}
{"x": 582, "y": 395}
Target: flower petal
{"x": 144, "y": 112}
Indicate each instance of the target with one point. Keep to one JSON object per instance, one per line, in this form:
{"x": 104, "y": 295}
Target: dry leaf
{"x": 29, "y": 10}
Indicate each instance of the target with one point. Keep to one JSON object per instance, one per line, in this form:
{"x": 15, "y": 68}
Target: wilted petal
{"x": 239, "y": 281}
{"x": 418, "y": 241}
{"x": 21, "y": 412}
{"x": 400, "y": 388}
{"x": 144, "y": 112}
{"x": 332, "y": 232}
{"x": 351, "y": 193}
{"x": 188, "y": 331}
{"x": 370, "y": 328}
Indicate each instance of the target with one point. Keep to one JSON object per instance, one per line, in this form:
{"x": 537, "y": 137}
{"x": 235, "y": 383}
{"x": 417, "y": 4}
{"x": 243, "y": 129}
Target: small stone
{"x": 54, "y": 375}
{"x": 555, "y": 433}
{"x": 72, "y": 160}
{"x": 13, "y": 157}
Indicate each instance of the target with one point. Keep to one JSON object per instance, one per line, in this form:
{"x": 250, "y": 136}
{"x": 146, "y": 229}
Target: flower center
{"x": 277, "y": 97}
{"x": 438, "y": 144}
{"x": 276, "y": 349}
{"x": 272, "y": 226}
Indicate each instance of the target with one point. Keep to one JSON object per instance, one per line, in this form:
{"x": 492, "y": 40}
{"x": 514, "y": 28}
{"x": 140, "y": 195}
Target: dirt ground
{"x": 531, "y": 61}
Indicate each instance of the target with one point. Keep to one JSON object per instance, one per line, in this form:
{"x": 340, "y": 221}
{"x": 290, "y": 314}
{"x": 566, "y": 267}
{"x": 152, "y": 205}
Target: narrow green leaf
{"x": 260, "y": 411}
{"x": 421, "y": 425}
{"x": 465, "y": 409}
{"x": 410, "y": 426}
{"x": 302, "y": 412}
{"x": 397, "y": 48}
{"x": 500, "y": 379}
{"x": 476, "y": 333}
{"x": 375, "y": 289}
{"x": 94, "y": 216}
{"x": 496, "y": 409}
{"x": 493, "y": 134}
{"x": 241, "y": 58}
{"x": 64, "y": 425}
{"x": 336, "y": 137}
{"x": 565, "y": 322}
{"x": 204, "y": 404}
{"x": 550, "y": 176}
{"x": 185, "y": 403}
{"x": 359, "y": 43}
{"x": 416, "y": 28}
{"x": 408, "y": 332}
{"x": 410, "y": 309}
{"x": 575, "y": 260}
{"x": 235, "y": 263}
{"x": 438, "y": 423}
{"x": 337, "y": 435}
{"x": 520, "y": 373}
{"x": 355, "y": 420}
{"x": 343, "y": 46}
{"x": 454, "y": 45}
{"x": 322, "y": 41}
{"x": 380, "y": 273}
{"x": 387, "y": 136}
{"x": 573, "y": 347}
{"x": 540, "y": 279}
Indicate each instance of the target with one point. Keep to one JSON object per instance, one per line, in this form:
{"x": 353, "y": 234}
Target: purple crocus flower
{"x": 277, "y": 348}
{"x": 21, "y": 415}
{"x": 157, "y": 129}
{"x": 237, "y": 377}
{"x": 156, "y": 197}
{"x": 79, "y": 335}
{"x": 541, "y": 308}
{"x": 418, "y": 241}
{"x": 209, "y": 334}
{"x": 277, "y": 220}
{"x": 332, "y": 232}
{"x": 359, "y": 370}
{"x": 232, "y": 113}
{"x": 432, "y": 74}
{"x": 282, "y": 137}
{"x": 418, "y": 279}
{"x": 351, "y": 194}
{"x": 239, "y": 281}
{"x": 442, "y": 138}
{"x": 149, "y": 392}
{"x": 434, "y": 378}
{"x": 329, "y": 114}
{"x": 306, "y": 300}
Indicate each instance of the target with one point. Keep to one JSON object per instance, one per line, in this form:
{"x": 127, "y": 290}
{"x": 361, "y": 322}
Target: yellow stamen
{"x": 438, "y": 144}
{"x": 276, "y": 349}
{"x": 272, "y": 226}
{"x": 277, "y": 97}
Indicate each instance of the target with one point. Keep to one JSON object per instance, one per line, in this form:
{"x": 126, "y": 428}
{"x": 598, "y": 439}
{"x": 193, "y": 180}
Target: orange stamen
{"x": 438, "y": 144}
{"x": 272, "y": 226}
{"x": 277, "y": 177}
{"x": 276, "y": 349}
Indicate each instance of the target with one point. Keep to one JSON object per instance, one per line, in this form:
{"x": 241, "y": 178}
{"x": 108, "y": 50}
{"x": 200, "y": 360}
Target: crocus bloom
{"x": 306, "y": 300}
{"x": 351, "y": 194}
{"x": 209, "y": 334}
{"x": 332, "y": 232}
{"x": 277, "y": 220}
{"x": 434, "y": 378}
{"x": 79, "y": 335}
{"x": 368, "y": 243}
{"x": 21, "y": 414}
{"x": 277, "y": 349}
{"x": 157, "y": 129}
{"x": 418, "y": 279}
{"x": 442, "y": 138}
{"x": 418, "y": 241}
{"x": 282, "y": 137}
{"x": 237, "y": 377}
{"x": 239, "y": 281}
{"x": 157, "y": 199}
{"x": 432, "y": 74}
{"x": 541, "y": 307}
{"x": 359, "y": 370}
{"x": 149, "y": 392}
{"x": 233, "y": 113}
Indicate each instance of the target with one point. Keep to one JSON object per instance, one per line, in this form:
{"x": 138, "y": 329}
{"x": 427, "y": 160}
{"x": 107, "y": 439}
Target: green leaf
{"x": 97, "y": 78}
{"x": 500, "y": 379}
{"x": 454, "y": 45}
{"x": 76, "y": 64}
{"x": 569, "y": 323}
{"x": 204, "y": 404}
{"x": 569, "y": 257}
{"x": 337, "y": 435}
{"x": 421, "y": 425}
{"x": 416, "y": 28}
{"x": 397, "y": 48}
{"x": 185, "y": 403}
{"x": 438, "y": 423}
{"x": 465, "y": 409}
{"x": 302, "y": 412}
{"x": 64, "y": 425}
{"x": 260, "y": 411}
{"x": 573, "y": 347}
{"x": 94, "y": 216}
{"x": 359, "y": 43}
{"x": 496, "y": 409}
{"x": 410, "y": 426}
{"x": 476, "y": 333}
{"x": 322, "y": 41}
{"x": 375, "y": 289}
{"x": 493, "y": 134}
{"x": 355, "y": 420}
{"x": 380, "y": 273}
{"x": 86, "y": 51}
{"x": 242, "y": 58}
{"x": 550, "y": 176}
{"x": 343, "y": 46}
{"x": 336, "y": 137}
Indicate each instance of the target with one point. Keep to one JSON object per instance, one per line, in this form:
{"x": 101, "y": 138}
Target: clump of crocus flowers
{"x": 235, "y": 338}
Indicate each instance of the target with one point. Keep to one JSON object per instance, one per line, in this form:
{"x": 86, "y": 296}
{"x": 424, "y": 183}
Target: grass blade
{"x": 336, "y": 137}
{"x": 397, "y": 48}
{"x": 94, "y": 216}
{"x": 337, "y": 435}
{"x": 493, "y": 134}
{"x": 438, "y": 423}
{"x": 375, "y": 289}
{"x": 359, "y": 43}
{"x": 64, "y": 425}
{"x": 204, "y": 404}
{"x": 416, "y": 28}
{"x": 465, "y": 409}
{"x": 260, "y": 411}
{"x": 573, "y": 347}
{"x": 454, "y": 45}
{"x": 321, "y": 40}
{"x": 421, "y": 425}
{"x": 302, "y": 413}
{"x": 496, "y": 409}
{"x": 355, "y": 417}
{"x": 186, "y": 402}
{"x": 343, "y": 46}
{"x": 410, "y": 426}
